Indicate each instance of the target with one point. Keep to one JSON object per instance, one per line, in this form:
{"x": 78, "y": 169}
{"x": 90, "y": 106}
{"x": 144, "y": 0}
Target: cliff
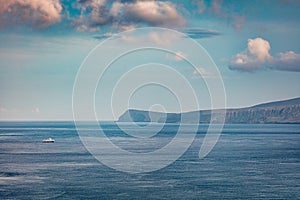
{"x": 287, "y": 111}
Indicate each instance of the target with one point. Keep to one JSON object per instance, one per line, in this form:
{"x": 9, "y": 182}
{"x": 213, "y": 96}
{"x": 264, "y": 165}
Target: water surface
{"x": 248, "y": 162}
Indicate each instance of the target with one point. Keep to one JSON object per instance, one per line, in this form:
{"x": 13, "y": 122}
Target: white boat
{"x": 48, "y": 140}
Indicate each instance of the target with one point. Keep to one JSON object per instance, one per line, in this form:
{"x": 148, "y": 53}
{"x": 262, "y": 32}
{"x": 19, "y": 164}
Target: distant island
{"x": 278, "y": 112}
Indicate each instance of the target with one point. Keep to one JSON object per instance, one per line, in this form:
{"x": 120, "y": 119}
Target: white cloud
{"x": 123, "y": 14}
{"x": 257, "y": 56}
{"x": 116, "y": 8}
{"x": 93, "y": 14}
{"x": 259, "y": 48}
{"x": 287, "y": 61}
{"x": 35, "y": 13}
{"x": 156, "y": 13}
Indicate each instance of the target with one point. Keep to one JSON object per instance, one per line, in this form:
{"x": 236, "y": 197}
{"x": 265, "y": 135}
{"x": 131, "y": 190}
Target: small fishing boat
{"x": 48, "y": 140}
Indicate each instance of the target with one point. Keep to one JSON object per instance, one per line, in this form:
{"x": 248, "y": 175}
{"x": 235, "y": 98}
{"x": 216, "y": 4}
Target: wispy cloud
{"x": 197, "y": 33}
{"x": 201, "y": 5}
{"x": 201, "y": 72}
{"x": 35, "y": 110}
{"x": 5, "y": 110}
{"x": 167, "y": 38}
{"x": 257, "y": 56}
{"x": 163, "y": 38}
{"x": 177, "y": 56}
{"x": 106, "y": 35}
{"x": 2, "y": 109}
{"x": 222, "y": 11}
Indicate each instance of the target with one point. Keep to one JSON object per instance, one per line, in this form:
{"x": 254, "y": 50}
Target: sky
{"x": 254, "y": 45}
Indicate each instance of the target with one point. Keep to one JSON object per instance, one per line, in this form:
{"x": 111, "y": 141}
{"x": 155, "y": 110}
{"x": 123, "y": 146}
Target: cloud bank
{"x": 108, "y": 15}
{"x": 35, "y": 13}
{"x": 257, "y": 57}
{"x": 91, "y": 14}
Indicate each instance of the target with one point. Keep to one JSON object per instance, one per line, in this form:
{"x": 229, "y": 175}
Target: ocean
{"x": 248, "y": 162}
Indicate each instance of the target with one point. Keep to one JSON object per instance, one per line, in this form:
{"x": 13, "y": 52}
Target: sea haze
{"x": 250, "y": 161}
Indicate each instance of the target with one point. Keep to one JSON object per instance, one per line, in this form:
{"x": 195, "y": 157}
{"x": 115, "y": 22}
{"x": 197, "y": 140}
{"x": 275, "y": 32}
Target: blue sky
{"x": 255, "y": 45}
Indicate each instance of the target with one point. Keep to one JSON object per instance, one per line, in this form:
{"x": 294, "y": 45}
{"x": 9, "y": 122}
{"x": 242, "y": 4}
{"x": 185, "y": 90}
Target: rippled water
{"x": 248, "y": 162}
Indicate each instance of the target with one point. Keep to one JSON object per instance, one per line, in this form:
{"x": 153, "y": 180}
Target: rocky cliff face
{"x": 280, "y": 114}
{"x": 287, "y": 111}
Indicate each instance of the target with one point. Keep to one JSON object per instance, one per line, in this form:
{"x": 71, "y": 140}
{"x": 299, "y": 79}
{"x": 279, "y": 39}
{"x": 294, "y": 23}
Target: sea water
{"x": 248, "y": 162}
